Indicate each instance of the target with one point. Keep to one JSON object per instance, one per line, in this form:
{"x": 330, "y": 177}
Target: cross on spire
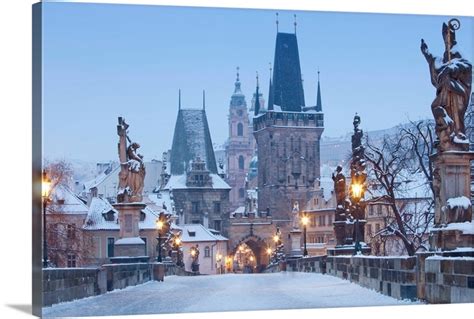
{"x": 238, "y": 68}
{"x": 277, "y": 21}
{"x": 295, "y": 22}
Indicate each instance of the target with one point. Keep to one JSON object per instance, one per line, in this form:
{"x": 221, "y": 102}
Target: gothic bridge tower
{"x": 288, "y": 137}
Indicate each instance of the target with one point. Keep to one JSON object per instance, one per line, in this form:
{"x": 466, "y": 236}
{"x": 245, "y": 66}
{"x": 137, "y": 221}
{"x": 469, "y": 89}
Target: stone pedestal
{"x": 452, "y": 179}
{"x": 129, "y": 244}
{"x": 295, "y": 235}
{"x": 344, "y": 231}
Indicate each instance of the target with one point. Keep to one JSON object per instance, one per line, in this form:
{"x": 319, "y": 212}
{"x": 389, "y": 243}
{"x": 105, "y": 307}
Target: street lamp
{"x": 45, "y": 191}
{"x": 304, "y": 221}
{"x": 159, "y": 226}
{"x": 357, "y": 190}
{"x": 177, "y": 247}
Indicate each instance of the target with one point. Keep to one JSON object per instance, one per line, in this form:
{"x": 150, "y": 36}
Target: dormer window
{"x": 109, "y": 216}
{"x": 192, "y": 233}
{"x": 61, "y": 201}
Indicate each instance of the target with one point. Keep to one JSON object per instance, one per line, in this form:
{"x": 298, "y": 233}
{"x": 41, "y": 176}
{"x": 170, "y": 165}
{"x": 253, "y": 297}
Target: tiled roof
{"x": 191, "y": 139}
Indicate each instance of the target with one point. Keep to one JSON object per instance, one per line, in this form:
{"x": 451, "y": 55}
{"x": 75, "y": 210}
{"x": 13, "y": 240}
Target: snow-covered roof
{"x": 100, "y": 178}
{"x": 179, "y": 182}
{"x": 66, "y": 202}
{"x": 99, "y": 207}
{"x": 199, "y": 233}
{"x": 162, "y": 201}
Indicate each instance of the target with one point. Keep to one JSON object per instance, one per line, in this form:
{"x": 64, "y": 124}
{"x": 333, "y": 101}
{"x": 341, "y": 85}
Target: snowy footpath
{"x": 229, "y": 292}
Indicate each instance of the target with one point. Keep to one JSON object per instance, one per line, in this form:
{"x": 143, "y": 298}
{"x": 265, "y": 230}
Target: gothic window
{"x": 240, "y": 129}
{"x": 217, "y": 225}
{"x": 241, "y": 193}
{"x": 241, "y": 162}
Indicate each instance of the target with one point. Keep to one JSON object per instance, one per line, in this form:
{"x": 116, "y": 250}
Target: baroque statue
{"x": 295, "y": 217}
{"x": 451, "y": 75}
{"x": 132, "y": 168}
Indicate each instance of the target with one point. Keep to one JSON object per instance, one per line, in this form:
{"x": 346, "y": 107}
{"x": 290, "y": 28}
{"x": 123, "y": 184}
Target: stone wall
{"x": 66, "y": 284}
{"x": 441, "y": 278}
{"x": 449, "y": 279}
{"x": 392, "y": 276}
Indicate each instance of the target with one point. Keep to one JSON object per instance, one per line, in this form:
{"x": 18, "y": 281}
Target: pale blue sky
{"x": 102, "y": 61}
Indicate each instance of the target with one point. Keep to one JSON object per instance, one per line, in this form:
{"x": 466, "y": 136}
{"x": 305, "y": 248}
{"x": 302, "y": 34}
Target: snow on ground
{"x": 231, "y": 292}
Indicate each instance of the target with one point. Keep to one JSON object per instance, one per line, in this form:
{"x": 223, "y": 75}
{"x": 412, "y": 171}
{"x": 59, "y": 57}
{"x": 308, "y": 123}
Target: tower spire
{"x": 257, "y": 99}
{"x": 277, "y": 21}
{"x": 270, "y": 90}
{"x": 237, "y": 82}
{"x": 204, "y": 99}
{"x": 179, "y": 99}
{"x": 319, "y": 105}
{"x": 295, "y": 22}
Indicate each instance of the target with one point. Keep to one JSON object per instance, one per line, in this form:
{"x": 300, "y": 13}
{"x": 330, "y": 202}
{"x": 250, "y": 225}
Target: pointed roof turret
{"x": 257, "y": 99}
{"x": 287, "y": 85}
{"x": 319, "y": 105}
{"x": 270, "y": 91}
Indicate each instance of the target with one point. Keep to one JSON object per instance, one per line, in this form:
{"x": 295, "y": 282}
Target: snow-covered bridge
{"x": 231, "y": 292}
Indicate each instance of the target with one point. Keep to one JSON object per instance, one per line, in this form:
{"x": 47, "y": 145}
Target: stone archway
{"x": 258, "y": 248}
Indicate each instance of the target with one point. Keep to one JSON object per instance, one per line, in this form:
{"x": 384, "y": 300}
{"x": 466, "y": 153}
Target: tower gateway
{"x": 288, "y": 138}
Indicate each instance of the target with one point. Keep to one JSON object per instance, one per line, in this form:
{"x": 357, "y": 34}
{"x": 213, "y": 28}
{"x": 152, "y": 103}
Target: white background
{"x": 15, "y": 141}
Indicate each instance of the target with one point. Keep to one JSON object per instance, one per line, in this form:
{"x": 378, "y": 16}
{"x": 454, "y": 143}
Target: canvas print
{"x": 203, "y": 159}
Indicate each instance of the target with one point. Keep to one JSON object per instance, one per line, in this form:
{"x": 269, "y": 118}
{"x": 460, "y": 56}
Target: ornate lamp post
{"x": 305, "y": 222}
{"x": 195, "y": 258}
{"x": 356, "y": 191}
{"x": 177, "y": 243}
{"x": 159, "y": 227}
{"x": 45, "y": 191}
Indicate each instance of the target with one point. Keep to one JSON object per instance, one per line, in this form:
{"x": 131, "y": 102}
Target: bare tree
{"x": 396, "y": 165}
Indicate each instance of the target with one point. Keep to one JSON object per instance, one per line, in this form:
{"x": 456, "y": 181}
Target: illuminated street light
{"x": 45, "y": 191}
{"x": 356, "y": 191}
{"x": 304, "y": 221}
{"x": 159, "y": 227}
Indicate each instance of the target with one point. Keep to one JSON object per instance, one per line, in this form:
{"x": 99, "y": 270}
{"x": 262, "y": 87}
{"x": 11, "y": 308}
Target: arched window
{"x": 241, "y": 162}
{"x": 241, "y": 193}
{"x": 240, "y": 129}
{"x": 207, "y": 252}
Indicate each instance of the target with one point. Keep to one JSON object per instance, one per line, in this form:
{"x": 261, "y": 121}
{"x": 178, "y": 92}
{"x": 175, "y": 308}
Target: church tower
{"x": 239, "y": 149}
{"x": 288, "y": 137}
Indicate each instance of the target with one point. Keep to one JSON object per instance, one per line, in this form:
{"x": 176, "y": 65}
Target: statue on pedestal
{"x": 451, "y": 75}
{"x": 295, "y": 215}
{"x": 132, "y": 168}
{"x": 340, "y": 190}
